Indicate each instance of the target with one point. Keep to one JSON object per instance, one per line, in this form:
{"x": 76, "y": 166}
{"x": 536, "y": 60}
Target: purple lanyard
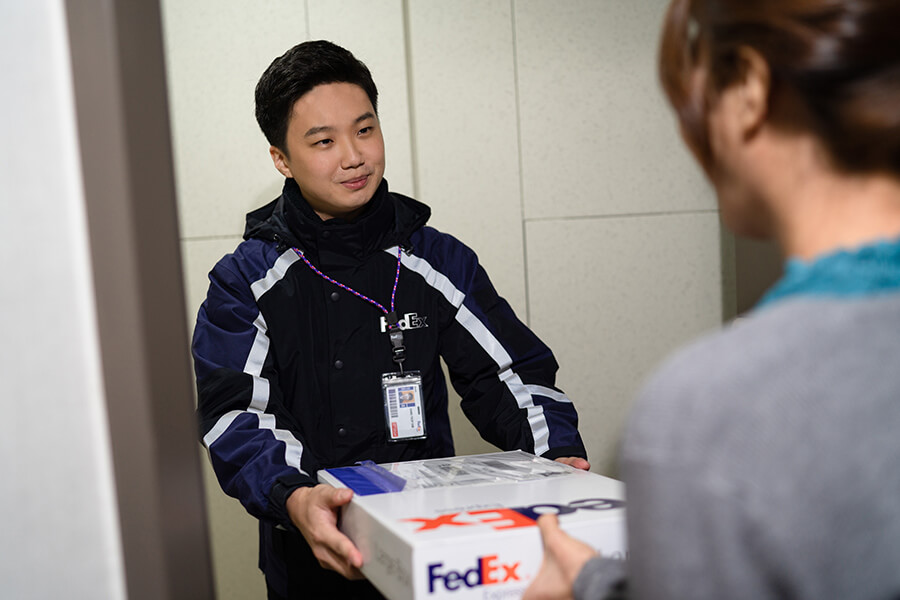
{"x": 396, "y": 334}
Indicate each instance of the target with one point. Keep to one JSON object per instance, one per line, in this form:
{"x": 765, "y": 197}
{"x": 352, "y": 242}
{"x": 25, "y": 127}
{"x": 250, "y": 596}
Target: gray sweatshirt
{"x": 764, "y": 461}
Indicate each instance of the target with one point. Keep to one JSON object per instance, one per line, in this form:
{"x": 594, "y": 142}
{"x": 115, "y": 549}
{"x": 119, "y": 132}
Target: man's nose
{"x": 352, "y": 156}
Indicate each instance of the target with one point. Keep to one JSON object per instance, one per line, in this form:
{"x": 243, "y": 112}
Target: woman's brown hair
{"x": 839, "y": 58}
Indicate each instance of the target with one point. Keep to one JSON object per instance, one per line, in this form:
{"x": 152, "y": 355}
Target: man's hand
{"x": 314, "y": 510}
{"x": 575, "y": 461}
{"x": 564, "y": 556}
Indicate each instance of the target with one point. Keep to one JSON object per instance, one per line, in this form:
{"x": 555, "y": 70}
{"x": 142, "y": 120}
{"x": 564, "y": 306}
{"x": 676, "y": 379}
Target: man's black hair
{"x": 298, "y": 71}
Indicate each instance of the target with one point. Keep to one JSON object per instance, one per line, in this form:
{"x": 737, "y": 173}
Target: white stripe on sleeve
{"x": 259, "y": 400}
{"x": 540, "y": 390}
{"x": 260, "y": 348}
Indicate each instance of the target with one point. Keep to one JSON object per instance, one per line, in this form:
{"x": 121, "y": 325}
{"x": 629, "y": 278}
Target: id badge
{"x": 404, "y": 406}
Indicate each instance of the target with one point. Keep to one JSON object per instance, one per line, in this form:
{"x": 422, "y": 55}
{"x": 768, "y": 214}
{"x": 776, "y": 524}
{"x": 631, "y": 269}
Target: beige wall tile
{"x": 612, "y": 297}
{"x": 215, "y": 52}
{"x": 464, "y": 106}
{"x": 198, "y": 258}
{"x": 598, "y": 138}
{"x": 373, "y": 31}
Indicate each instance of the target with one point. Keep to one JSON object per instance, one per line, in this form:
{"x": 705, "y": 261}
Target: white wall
{"x": 536, "y": 131}
{"x": 60, "y": 536}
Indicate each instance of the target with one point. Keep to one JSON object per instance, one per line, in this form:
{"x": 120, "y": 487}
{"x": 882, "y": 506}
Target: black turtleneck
{"x": 371, "y": 231}
{"x": 388, "y": 219}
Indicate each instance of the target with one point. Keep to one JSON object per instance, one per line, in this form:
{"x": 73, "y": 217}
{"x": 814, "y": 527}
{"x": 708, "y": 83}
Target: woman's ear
{"x": 751, "y": 106}
{"x": 280, "y": 161}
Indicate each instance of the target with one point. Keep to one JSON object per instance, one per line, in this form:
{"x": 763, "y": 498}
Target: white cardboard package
{"x": 464, "y": 527}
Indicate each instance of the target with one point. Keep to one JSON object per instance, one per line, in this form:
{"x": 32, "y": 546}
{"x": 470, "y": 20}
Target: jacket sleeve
{"x": 254, "y": 445}
{"x": 503, "y": 372}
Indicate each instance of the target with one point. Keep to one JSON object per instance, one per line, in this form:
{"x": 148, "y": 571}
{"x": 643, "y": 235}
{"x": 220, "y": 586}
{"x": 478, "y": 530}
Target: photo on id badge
{"x": 403, "y": 406}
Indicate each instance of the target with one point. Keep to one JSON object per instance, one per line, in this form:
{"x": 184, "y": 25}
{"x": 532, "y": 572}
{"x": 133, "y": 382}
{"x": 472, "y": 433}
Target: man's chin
{"x": 348, "y": 211}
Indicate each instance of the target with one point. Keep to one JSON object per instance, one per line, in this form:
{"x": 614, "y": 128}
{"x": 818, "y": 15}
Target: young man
{"x": 320, "y": 340}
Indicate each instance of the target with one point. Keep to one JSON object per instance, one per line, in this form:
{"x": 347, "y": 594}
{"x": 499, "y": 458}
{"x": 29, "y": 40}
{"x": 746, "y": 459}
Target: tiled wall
{"x": 536, "y": 131}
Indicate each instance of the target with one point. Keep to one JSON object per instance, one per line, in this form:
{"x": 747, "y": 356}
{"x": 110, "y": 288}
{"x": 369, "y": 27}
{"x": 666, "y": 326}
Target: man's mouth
{"x": 356, "y": 184}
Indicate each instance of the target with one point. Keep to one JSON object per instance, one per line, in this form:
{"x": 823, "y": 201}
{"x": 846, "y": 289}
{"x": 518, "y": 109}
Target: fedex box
{"x": 464, "y": 527}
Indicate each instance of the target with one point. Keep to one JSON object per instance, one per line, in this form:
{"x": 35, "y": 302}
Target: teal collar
{"x": 862, "y": 272}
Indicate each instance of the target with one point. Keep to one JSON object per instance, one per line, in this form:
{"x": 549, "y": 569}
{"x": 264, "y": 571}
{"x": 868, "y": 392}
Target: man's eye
{"x": 365, "y": 130}
{"x": 323, "y": 142}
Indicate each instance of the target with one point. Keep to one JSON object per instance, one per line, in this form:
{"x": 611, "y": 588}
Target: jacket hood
{"x": 388, "y": 220}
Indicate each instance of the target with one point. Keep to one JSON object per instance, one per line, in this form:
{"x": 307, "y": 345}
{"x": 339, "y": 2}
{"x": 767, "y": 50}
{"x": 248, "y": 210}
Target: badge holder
{"x": 404, "y": 402}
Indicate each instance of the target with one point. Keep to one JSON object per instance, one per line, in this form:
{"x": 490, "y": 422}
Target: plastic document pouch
{"x": 404, "y": 406}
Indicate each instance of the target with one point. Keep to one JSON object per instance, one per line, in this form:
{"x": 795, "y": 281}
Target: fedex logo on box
{"x": 487, "y": 571}
{"x": 511, "y": 518}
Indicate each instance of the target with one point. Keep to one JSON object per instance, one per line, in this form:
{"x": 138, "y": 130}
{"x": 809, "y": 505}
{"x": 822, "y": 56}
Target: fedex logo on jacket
{"x": 409, "y": 321}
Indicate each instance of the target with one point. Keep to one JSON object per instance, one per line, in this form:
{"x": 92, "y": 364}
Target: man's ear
{"x": 752, "y": 106}
{"x": 280, "y": 161}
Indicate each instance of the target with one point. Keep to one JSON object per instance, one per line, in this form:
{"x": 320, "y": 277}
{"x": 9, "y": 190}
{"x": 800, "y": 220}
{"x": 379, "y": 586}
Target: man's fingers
{"x": 335, "y": 497}
{"x": 335, "y": 562}
{"x": 575, "y": 461}
{"x": 315, "y": 513}
{"x": 580, "y": 463}
{"x": 351, "y": 553}
{"x": 339, "y": 554}
{"x": 335, "y": 542}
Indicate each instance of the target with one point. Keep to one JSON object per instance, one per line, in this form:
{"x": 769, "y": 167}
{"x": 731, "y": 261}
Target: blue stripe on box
{"x": 368, "y": 478}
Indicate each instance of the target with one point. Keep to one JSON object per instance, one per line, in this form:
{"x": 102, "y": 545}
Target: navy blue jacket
{"x": 289, "y": 365}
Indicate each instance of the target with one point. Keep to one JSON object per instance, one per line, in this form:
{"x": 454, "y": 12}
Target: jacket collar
{"x": 388, "y": 219}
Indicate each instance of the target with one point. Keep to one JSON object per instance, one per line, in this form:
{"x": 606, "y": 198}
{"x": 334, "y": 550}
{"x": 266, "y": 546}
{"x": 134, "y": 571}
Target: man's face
{"x": 335, "y": 150}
